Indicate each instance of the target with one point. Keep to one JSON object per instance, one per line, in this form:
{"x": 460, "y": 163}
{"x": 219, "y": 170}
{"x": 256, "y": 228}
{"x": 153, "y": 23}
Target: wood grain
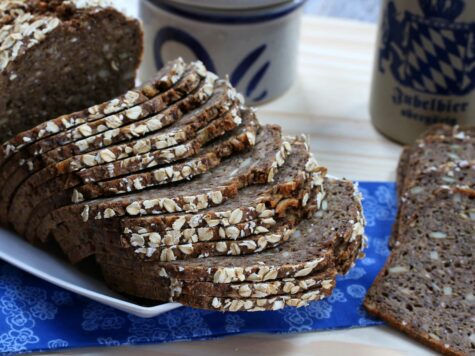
{"x": 329, "y": 100}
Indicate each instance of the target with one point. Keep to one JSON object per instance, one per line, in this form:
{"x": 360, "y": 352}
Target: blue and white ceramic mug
{"x": 424, "y": 72}
{"x": 254, "y": 42}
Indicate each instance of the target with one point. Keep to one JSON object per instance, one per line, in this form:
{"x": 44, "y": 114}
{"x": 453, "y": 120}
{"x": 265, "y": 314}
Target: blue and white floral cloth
{"x": 37, "y": 316}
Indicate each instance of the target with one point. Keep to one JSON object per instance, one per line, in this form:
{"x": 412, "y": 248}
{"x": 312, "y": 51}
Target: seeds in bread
{"x": 95, "y": 49}
{"x": 426, "y": 287}
{"x": 153, "y": 287}
{"x": 257, "y": 201}
{"x": 309, "y": 251}
{"x": 135, "y": 182}
{"x": 238, "y": 171}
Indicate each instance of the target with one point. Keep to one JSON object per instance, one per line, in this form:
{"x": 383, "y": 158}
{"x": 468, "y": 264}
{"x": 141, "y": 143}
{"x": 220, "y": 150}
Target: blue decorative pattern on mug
{"x": 167, "y": 34}
{"x": 432, "y": 53}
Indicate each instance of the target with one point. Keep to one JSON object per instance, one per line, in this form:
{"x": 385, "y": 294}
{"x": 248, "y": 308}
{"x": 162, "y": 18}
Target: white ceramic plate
{"x": 44, "y": 265}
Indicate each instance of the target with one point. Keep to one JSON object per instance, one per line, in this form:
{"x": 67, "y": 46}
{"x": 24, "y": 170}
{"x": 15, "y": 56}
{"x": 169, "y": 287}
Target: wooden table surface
{"x": 329, "y": 102}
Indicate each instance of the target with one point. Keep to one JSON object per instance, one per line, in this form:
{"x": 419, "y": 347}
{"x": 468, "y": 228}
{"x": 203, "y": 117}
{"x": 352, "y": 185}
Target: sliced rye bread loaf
{"x": 209, "y": 189}
{"x": 426, "y": 288}
{"x": 155, "y": 287}
{"x": 157, "y": 284}
{"x": 30, "y": 160}
{"x": 96, "y": 51}
{"x": 65, "y": 183}
{"x": 257, "y": 201}
{"x": 164, "y": 80}
{"x": 309, "y": 252}
{"x": 81, "y": 163}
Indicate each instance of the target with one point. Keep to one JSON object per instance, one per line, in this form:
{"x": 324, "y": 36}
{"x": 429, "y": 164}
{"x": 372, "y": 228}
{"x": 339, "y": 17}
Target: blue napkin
{"x": 37, "y": 316}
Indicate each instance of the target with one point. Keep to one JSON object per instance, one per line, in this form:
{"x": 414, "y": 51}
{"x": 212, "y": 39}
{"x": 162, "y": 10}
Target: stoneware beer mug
{"x": 255, "y": 42}
{"x": 424, "y": 70}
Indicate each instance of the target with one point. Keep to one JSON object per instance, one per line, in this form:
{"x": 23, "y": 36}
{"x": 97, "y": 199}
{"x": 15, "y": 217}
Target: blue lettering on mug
{"x": 245, "y": 65}
{"x": 431, "y": 54}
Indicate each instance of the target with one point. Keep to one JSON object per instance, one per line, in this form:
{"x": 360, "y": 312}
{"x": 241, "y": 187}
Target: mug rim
{"x": 226, "y": 5}
{"x": 228, "y": 17}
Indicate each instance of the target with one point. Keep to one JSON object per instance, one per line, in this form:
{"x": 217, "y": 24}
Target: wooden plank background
{"x": 330, "y": 99}
{"x": 363, "y": 10}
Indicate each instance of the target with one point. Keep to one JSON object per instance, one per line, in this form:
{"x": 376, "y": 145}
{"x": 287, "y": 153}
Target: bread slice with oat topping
{"x": 264, "y": 201}
{"x": 58, "y": 190}
{"x": 15, "y": 170}
{"x": 163, "y": 81}
{"x": 255, "y": 166}
{"x": 153, "y": 287}
{"x": 95, "y": 50}
{"x": 310, "y": 250}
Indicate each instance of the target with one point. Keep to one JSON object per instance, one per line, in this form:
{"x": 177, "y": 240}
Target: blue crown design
{"x": 444, "y": 9}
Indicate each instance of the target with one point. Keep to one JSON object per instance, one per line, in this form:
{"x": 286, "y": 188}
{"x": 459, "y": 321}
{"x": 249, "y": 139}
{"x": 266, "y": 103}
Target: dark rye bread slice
{"x": 60, "y": 190}
{"x": 189, "y": 93}
{"x": 96, "y": 51}
{"x": 232, "y": 304}
{"x": 307, "y": 253}
{"x": 165, "y": 236}
{"x": 154, "y": 287}
{"x": 440, "y": 144}
{"x": 16, "y": 170}
{"x": 254, "y": 304}
{"x": 419, "y": 190}
{"x": 256, "y": 166}
{"x": 294, "y": 294}
{"x": 163, "y": 80}
{"x": 278, "y": 235}
{"x": 176, "y": 124}
{"x": 426, "y": 288}
{"x": 240, "y": 135}
{"x": 434, "y": 130}
{"x": 263, "y": 201}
